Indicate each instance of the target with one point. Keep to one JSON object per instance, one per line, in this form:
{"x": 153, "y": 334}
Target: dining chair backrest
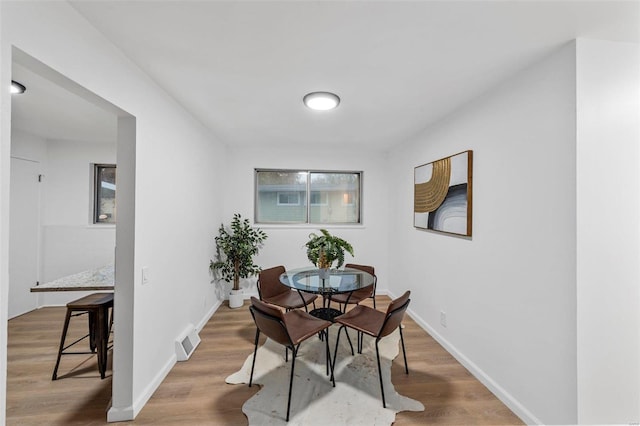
{"x": 395, "y": 314}
{"x": 270, "y": 321}
{"x": 369, "y": 270}
{"x": 269, "y": 284}
{"x": 366, "y": 268}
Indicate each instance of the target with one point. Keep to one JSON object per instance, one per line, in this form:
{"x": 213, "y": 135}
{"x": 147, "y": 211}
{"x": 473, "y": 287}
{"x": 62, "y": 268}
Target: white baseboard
{"x": 506, "y": 398}
{"x": 207, "y": 316}
{"x": 121, "y": 414}
{"x": 129, "y": 413}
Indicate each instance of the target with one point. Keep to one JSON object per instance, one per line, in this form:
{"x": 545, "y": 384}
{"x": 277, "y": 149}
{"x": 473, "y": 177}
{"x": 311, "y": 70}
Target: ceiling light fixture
{"x": 17, "y": 88}
{"x": 321, "y": 101}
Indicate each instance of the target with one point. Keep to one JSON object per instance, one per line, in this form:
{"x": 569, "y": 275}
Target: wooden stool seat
{"x": 96, "y": 306}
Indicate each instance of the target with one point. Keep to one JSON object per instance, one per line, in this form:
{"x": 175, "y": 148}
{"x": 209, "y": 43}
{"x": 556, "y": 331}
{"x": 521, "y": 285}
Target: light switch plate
{"x": 145, "y": 275}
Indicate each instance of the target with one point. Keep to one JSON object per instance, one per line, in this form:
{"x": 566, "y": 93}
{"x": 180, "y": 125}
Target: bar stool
{"x": 96, "y": 306}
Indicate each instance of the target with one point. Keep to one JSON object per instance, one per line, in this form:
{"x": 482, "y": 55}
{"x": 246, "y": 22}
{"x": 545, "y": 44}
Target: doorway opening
{"x": 59, "y": 131}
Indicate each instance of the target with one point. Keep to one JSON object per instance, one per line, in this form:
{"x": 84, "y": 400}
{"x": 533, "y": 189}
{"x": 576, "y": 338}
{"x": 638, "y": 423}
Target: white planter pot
{"x": 323, "y": 273}
{"x": 236, "y": 298}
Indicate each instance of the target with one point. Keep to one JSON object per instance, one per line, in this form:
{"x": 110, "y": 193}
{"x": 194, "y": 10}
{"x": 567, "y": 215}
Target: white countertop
{"x": 93, "y": 279}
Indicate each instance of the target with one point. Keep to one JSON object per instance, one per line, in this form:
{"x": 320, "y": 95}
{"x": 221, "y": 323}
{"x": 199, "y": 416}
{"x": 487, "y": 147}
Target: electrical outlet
{"x": 145, "y": 275}
{"x": 443, "y": 318}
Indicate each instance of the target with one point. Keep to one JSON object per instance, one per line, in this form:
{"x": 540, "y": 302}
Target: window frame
{"x": 297, "y": 194}
{"x": 306, "y": 201}
{"x": 96, "y": 192}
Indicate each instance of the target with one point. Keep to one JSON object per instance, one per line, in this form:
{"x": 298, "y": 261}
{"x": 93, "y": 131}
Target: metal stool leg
{"x": 62, "y": 339}
{"x": 101, "y": 326}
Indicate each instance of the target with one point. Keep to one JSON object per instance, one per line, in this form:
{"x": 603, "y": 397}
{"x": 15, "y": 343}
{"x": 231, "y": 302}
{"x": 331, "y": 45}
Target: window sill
{"x": 307, "y": 226}
{"x": 101, "y": 226}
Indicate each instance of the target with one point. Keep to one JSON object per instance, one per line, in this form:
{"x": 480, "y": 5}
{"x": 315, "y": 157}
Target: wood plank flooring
{"x": 195, "y": 393}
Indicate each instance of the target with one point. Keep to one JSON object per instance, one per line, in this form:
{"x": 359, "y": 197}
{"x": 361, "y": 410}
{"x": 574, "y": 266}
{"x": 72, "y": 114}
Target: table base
{"x": 327, "y": 314}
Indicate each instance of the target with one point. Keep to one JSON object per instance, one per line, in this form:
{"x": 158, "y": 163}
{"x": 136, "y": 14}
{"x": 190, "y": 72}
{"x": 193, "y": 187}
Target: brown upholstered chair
{"x": 271, "y": 290}
{"x": 289, "y": 329}
{"x": 376, "y": 324}
{"x": 357, "y": 296}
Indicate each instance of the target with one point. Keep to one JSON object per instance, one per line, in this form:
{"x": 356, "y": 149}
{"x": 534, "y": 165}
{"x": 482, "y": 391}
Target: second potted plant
{"x": 324, "y": 249}
{"x": 235, "y": 249}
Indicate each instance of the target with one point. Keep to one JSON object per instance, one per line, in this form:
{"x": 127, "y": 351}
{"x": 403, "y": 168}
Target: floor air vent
{"x": 187, "y": 343}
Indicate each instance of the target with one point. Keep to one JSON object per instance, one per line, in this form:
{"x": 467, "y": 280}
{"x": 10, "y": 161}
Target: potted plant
{"x": 324, "y": 249}
{"x": 235, "y": 248}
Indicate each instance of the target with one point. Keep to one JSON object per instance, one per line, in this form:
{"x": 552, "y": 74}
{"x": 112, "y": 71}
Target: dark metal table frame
{"x": 326, "y": 283}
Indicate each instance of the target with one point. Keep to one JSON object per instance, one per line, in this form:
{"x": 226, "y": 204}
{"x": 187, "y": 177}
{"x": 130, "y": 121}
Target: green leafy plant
{"x": 235, "y": 249}
{"x": 323, "y": 249}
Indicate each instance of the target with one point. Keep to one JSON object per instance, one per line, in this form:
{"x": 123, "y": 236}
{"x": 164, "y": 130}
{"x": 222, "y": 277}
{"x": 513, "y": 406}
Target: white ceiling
{"x": 242, "y": 68}
{"x": 53, "y": 112}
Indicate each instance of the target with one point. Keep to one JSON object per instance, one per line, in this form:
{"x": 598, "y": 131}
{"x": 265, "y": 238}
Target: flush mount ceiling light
{"x": 17, "y": 88}
{"x": 321, "y": 101}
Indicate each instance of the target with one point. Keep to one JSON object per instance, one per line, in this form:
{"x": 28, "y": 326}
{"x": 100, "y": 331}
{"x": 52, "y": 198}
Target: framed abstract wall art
{"x": 442, "y": 195}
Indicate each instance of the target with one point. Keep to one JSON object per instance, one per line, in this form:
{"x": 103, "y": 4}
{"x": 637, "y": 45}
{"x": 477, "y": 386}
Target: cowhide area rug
{"x": 354, "y": 401}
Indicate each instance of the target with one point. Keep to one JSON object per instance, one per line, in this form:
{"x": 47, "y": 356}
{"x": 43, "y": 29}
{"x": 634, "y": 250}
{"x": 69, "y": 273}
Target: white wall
{"x": 178, "y": 194}
{"x": 68, "y": 180}
{"x": 70, "y": 241}
{"x": 508, "y": 291}
{"x": 28, "y": 146}
{"x": 5, "y": 166}
{"x": 608, "y": 228}
{"x": 285, "y": 244}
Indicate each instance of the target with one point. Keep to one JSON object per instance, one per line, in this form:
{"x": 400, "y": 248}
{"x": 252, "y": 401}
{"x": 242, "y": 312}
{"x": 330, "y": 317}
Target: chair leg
{"x": 294, "y": 352}
{"x": 346, "y": 332}
{"x": 255, "y": 352}
{"x": 304, "y": 304}
{"x": 404, "y": 352}
{"x": 384, "y": 404}
{"x": 62, "y": 338}
{"x": 335, "y": 353}
{"x": 326, "y": 344}
{"x": 328, "y": 360}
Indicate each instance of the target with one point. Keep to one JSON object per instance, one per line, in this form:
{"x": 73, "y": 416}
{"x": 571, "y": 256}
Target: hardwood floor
{"x": 195, "y": 393}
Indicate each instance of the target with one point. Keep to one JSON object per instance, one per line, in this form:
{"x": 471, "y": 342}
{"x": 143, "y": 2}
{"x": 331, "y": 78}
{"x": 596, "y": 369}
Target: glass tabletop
{"x": 312, "y": 280}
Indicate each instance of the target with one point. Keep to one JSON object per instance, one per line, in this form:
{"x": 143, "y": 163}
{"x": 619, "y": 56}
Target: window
{"x": 288, "y": 198}
{"x": 319, "y": 198}
{"x": 104, "y": 193}
{"x": 348, "y": 198}
{"x": 314, "y": 197}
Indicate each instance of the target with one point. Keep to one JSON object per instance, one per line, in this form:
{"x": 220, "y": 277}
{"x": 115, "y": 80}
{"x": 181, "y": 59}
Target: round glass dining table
{"x": 325, "y": 283}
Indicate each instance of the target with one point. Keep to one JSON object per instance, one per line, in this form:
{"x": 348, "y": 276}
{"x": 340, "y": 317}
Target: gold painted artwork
{"x": 429, "y": 195}
{"x": 443, "y": 194}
